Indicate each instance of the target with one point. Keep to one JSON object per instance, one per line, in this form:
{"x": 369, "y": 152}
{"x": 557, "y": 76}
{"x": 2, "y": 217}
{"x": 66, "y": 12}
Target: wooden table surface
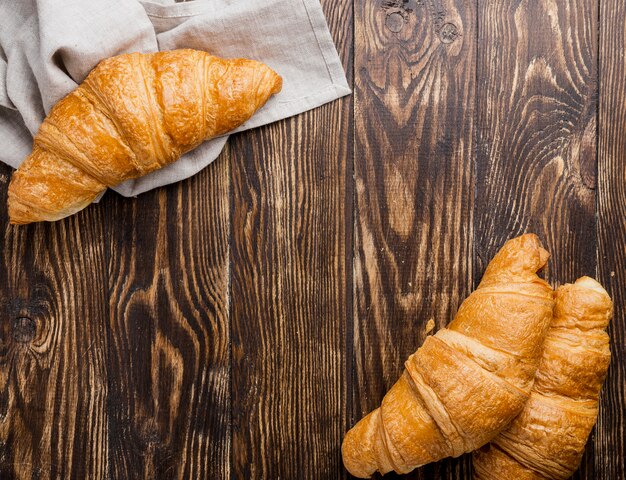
{"x": 237, "y": 323}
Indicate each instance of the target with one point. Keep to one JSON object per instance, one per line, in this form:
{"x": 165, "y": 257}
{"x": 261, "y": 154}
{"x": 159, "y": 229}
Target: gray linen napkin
{"x": 47, "y": 47}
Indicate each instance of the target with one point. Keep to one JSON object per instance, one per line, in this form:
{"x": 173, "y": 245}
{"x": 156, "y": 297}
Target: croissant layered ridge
{"x": 547, "y": 439}
{"x": 469, "y": 380}
{"x": 134, "y": 113}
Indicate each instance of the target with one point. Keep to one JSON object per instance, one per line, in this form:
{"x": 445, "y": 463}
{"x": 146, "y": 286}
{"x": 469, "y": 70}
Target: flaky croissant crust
{"x": 547, "y": 439}
{"x": 133, "y": 114}
{"x": 470, "y": 379}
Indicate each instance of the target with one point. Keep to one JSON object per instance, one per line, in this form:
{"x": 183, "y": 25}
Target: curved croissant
{"x": 547, "y": 439}
{"x": 464, "y": 384}
{"x": 133, "y": 114}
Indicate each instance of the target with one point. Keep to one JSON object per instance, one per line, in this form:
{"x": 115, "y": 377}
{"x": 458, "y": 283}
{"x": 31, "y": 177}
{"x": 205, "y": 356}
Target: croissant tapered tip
{"x": 583, "y": 286}
{"x": 530, "y": 244}
{"x": 585, "y": 300}
{"x": 358, "y": 447}
{"x": 519, "y": 257}
{"x": 277, "y": 84}
{"x": 273, "y": 82}
{"x": 591, "y": 284}
{"x": 269, "y": 82}
{"x": 45, "y": 179}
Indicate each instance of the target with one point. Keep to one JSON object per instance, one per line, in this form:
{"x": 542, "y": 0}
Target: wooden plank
{"x": 414, "y": 91}
{"x": 169, "y": 356}
{"x": 53, "y": 347}
{"x": 536, "y": 134}
{"x": 289, "y": 290}
{"x": 610, "y": 438}
{"x": 536, "y": 125}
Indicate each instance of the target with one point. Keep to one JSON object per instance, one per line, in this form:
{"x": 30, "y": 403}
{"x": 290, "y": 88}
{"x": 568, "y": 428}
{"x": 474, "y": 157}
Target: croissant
{"x": 133, "y": 114}
{"x": 469, "y": 380}
{"x": 547, "y": 439}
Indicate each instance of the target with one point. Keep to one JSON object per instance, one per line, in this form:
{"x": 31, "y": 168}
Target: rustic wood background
{"x": 238, "y": 323}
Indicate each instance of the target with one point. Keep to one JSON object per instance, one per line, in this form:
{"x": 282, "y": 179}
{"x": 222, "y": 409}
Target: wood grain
{"x": 169, "y": 400}
{"x": 414, "y": 66}
{"x": 536, "y": 134}
{"x": 536, "y": 130}
{"x": 610, "y": 438}
{"x": 53, "y": 347}
{"x": 235, "y": 325}
{"x": 289, "y": 289}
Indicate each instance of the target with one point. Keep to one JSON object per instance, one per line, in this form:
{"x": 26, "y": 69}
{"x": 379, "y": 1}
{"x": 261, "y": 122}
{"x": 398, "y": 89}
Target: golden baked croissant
{"x": 547, "y": 439}
{"x": 469, "y": 380}
{"x": 133, "y": 114}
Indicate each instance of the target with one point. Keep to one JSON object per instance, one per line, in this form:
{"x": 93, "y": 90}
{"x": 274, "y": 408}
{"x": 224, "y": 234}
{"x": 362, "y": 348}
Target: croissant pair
{"x": 132, "y": 115}
{"x": 518, "y": 372}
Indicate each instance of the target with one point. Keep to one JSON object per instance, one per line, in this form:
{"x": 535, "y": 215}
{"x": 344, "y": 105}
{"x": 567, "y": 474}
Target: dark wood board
{"x": 236, "y": 324}
{"x": 610, "y": 436}
{"x": 413, "y": 147}
{"x": 53, "y": 347}
{"x": 289, "y": 288}
{"x": 169, "y": 334}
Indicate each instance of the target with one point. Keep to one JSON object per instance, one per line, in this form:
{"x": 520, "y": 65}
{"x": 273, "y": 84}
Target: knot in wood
{"x": 448, "y": 33}
{"x": 394, "y": 21}
{"x": 24, "y": 329}
{"x": 397, "y": 14}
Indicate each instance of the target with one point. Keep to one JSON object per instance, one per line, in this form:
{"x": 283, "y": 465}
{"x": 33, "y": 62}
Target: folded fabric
{"x": 48, "y": 47}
